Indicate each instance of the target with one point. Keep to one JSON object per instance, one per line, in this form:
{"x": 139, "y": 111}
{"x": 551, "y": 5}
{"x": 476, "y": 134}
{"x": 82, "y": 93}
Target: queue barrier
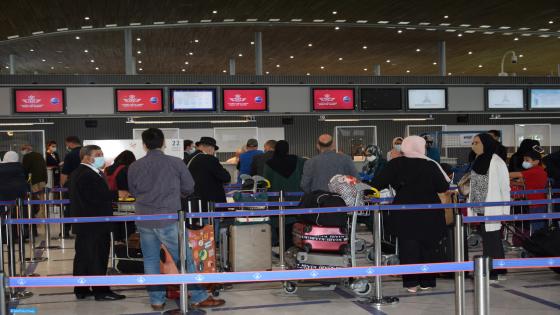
{"x": 36, "y": 202}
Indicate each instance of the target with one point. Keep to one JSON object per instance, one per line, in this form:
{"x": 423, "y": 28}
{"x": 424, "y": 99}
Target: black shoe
{"x": 83, "y": 296}
{"x": 111, "y": 296}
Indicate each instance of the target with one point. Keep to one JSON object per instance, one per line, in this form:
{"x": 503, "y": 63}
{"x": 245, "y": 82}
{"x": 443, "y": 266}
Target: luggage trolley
{"x": 362, "y": 286}
{"x": 122, "y": 208}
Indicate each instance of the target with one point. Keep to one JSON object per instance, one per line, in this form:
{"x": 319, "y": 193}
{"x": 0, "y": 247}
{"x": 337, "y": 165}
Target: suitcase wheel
{"x": 290, "y": 287}
{"x": 362, "y": 288}
{"x": 344, "y": 249}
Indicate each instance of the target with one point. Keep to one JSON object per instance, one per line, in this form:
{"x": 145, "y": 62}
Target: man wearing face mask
{"x": 91, "y": 197}
{"x": 188, "y": 148}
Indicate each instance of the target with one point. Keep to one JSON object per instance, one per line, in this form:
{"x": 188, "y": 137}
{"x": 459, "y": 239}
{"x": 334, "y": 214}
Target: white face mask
{"x": 371, "y": 158}
{"x": 527, "y": 165}
{"x": 398, "y": 147}
{"x": 191, "y": 150}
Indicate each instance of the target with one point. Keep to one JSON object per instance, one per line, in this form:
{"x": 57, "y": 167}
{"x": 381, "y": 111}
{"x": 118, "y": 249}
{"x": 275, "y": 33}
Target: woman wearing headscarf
{"x": 516, "y": 160}
{"x": 284, "y": 171}
{"x": 14, "y": 179}
{"x": 416, "y": 179}
{"x": 373, "y": 163}
{"x": 396, "y": 149}
{"x": 489, "y": 183}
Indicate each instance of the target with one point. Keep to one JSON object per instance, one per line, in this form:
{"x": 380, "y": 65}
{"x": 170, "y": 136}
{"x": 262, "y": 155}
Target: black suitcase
{"x": 323, "y": 199}
{"x": 544, "y": 243}
{"x": 127, "y": 266}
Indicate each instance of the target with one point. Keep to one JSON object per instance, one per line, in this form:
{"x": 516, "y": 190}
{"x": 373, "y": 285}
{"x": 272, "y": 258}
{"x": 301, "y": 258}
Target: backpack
{"x": 112, "y": 179}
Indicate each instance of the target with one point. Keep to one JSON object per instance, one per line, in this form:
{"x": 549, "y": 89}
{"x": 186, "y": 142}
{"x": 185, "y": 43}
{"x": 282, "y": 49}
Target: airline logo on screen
{"x": 328, "y": 100}
{"x": 133, "y": 101}
{"x": 237, "y": 100}
{"x": 31, "y": 101}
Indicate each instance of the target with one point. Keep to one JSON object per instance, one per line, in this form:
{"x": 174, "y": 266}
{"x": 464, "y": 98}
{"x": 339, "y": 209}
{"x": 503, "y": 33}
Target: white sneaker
{"x": 425, "y": 288}
{"x": 502, "y": 277}
{"x": 412, "y": 289}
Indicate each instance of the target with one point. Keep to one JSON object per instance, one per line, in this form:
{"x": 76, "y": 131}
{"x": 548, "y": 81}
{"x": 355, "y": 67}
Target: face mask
{"x": 24, "y": 152}
{"x": 68, "y": 149}
{"x": 53, "y": 149}
{"x": 191, "y": 150}
{"x": 371, "y": 158}
{"x": 527, "y": 165}
{"x": 99, "y": 162}
{"x": 398, "y": 147}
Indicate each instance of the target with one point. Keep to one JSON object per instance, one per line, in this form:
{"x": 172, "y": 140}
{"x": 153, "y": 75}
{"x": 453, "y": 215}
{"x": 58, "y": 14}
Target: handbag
{"x": 465, "y": 184}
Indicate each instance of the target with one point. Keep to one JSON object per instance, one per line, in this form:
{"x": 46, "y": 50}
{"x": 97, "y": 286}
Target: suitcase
{"x": 201, "y": 242}
{"x": 223, "y": 247}
{"x": 320, "y": 238}
{"x": 321, "y": 261}
{"x": 250, "y": 247}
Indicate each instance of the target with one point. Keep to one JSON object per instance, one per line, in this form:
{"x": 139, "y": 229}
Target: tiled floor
{"x": 532, "y": 292}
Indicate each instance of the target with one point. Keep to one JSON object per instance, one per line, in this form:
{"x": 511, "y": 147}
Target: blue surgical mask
{"x": 99, "y": 162}
{"x": 527, "y": 165}
{"x": 398, "y": 147}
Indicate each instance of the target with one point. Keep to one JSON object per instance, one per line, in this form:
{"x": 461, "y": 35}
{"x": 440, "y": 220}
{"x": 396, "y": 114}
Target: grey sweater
{"x": 319, "y": 170}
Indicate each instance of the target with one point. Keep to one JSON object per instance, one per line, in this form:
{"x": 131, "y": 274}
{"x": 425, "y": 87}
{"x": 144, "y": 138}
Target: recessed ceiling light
{"x": 334, "y": 12}
{"x": 550, "y": 22}
{"x": 77, "y": 37}
{"x": 305, "y": 74}
{"x": 407, "y": 71}
{"x": 224, "y": 71}
{"x": 267, "y": 72}
{"x": 322, "y": 67}
{"x": 183, "y": 70}
{"x": 52, "y": 68}
{"x": 140, "y": 69}
{"x": 86, "y": 51}
{"x": 480, "y": 66}
{"x": 186, "y": 62}
{"x": 524, "y": 68}
{"x": 446, "y": 16}
{"x": 365, "y": 69}
{"x": 252, "y": 43}
{"x": 86, "y": 18}
{"x": 399, "y": 31}
{"x": 459, "y": 35}
{"x": 7, "y": 67}
{"x": 191, "y": 53}
{"x": 470, "y": 52}
{"x": 339, "y": 58}
{"x": 96, "y": 68}
{"x": 521, "y": 56}
{"x": 139, "y": 52}
{"x": 291, "y": 57}
{"x": 418, "y": 50}
{"x": 336, "y": 28}
{"x": 31, "y": 50}
{"x": 240, "y": 55}
{"x": 310, "y": 45}
{"x": 434, "y": 63}
{"x": 516, "y": 38}
{"x": 364, "y": 47}
{"x": 196, "y": 40}
{"x": 277, "y": 66}
{"x": 138, "y": 39}
{"x": 92, "y": 61}
{"x": 449, "y": 73}
{"x": 214, "y": 12}
{"x": 139, "y": 61}
{"x": 388, "y": 60}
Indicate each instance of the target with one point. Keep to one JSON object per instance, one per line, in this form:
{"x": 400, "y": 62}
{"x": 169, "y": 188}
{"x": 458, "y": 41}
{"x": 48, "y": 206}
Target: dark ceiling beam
{"x": 453, "y": 29}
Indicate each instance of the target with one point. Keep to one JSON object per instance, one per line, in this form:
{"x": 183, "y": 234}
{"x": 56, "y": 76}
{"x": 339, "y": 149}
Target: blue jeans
{"x": 538, "y": 224}
{"x": 151, "y": 240}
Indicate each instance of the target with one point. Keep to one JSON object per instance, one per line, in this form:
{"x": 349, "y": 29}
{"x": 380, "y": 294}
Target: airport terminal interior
{"x": 366, "y": 114}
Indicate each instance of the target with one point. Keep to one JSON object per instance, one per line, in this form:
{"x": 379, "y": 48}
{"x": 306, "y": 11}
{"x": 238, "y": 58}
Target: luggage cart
{"x": 121, "y": 208}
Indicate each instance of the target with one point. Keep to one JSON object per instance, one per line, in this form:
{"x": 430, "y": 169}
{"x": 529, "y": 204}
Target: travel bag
{"x": 320, "y": 238}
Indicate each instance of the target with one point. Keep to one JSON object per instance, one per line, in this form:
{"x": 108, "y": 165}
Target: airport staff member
{"x": 91, "y": 197}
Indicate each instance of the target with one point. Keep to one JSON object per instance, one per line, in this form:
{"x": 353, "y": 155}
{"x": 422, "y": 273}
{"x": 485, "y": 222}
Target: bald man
{"x": 318, "y": 171}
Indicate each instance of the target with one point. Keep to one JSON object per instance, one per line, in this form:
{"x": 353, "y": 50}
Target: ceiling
{"x": 352, "y": 49}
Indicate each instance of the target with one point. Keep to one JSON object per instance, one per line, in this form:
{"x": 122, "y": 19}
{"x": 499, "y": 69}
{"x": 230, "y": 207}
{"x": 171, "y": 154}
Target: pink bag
{"x": 312, "y": 238}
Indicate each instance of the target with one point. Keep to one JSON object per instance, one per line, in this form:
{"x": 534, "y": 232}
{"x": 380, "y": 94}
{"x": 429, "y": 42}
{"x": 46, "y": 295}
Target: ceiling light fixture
{"x": 86, "y": 51}
{"x": 364, "y": 47}
{"x": 365, "y": 69}
{"x": 186, "y": 62}
{"x": 214, "y": 12}
{"x": 139, "y": 52}
{"x": 446, "y": 16}
{"x": 339, "y": 58}
{"x": 138, "y": 39}
{"x": 459, "y": 35}
{"x": 240, "y": 55}
{"x": 308, "y": 73}
{"x": 480, "y": 66}
{"x": 291, "y": 57}
{"x": 77, "y": 37}
{"x": 96, "y": 68}
{"x": 92, "y": 61}
{"x": 310, "y": 45}
{"x": 418, "y": 50}
{"x": 470, "y": 52}
{"x": 322, "y": 67}
{"x": 388, "y": 61}
{"x": 399, "y": 31}
{"x": 155, "y": 122}
{"x": 196, "y": 40}
{"x": 139, "y": 61}
{"x": 336, "y": 28}
{"x": 183, "y": 70}
{"x": 31, "y": 50}
{"x": 191, "y": 53}
{"x": 277, "y": 66}
{"x": 140, "y": 69}
{"x": 86, "y": 18}
{"x": 375, "y": 119}
{"x": 334, "y": 12}
{"x": 252, "y": 43}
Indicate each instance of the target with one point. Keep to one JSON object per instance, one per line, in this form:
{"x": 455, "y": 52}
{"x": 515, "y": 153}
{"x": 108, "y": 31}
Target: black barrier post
{"x": 281, "y": 234}
{"x": 458, "y": 236}
{"x": 550, "y": 206}
{"x": 48, "y": 207}
{"x": 482, "y": 285}
{"x": 379, "y": 299}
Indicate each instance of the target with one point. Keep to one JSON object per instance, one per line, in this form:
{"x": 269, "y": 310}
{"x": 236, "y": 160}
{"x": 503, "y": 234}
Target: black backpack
{"x": 323, "y": 199}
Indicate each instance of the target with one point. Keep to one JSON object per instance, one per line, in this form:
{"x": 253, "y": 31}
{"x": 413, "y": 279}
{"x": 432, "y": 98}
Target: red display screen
{"x": 333, "y": 99}
{"x": 39, "y": 101}
{"x": 139, "y": 100}
{"x": 245, "y": 100}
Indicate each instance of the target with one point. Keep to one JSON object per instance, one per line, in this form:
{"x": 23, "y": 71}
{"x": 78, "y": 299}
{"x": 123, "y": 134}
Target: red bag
{"x": 319, "y": 238}
{"x": 112, "y": 179}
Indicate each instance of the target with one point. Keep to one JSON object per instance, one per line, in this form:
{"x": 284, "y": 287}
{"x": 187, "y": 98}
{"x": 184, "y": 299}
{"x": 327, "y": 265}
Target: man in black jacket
{"x": 208, "y": 174}
{"x": 90, "y": 197}
{"x": 257, "y": 165}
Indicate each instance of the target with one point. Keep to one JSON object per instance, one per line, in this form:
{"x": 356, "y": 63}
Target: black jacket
{"x": 257, "y": 165}
{"x": 90, "y": 197}
{"x": 35, "y": 164}
{"x": 209, "y": 177}
{"x": 501, "y": 151}
{"x": 552, "y": 162}
{"x": 416, "y": 181}
{"x": 13, "y": 183}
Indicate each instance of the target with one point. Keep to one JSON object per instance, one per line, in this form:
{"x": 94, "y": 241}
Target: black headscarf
{"x": 482, "y": 162}
{"x": 281, "y": 162}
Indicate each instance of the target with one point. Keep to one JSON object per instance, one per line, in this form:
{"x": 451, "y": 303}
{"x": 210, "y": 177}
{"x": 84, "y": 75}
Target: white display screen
{"x": 185, "y": 100}
{"x": 545, "y": 98}
{"x": 426, "y": 99}
{"x": 505, "y": 99}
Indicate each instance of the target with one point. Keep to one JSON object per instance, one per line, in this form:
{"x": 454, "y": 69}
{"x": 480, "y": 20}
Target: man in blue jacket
{"x": 246, "y": 158}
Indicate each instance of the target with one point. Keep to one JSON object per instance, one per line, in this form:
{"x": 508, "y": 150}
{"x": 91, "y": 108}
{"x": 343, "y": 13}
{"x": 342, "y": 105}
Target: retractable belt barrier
{"x": 36, "y": 202}
{"x": 270, "y": 276}
{"x": 257, "y": 213}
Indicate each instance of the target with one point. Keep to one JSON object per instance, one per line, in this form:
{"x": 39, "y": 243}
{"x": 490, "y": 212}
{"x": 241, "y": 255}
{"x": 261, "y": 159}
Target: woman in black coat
{"x": 416, "y": 180}
{"x": 14, "y": 179}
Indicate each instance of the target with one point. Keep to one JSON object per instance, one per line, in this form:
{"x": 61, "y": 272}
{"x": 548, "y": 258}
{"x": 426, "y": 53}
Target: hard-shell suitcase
{"x": 320, "y": 238}
{"x": 203, "y": 246}
{"x": 305, "y": 260}
{"x": 250, "y": 247}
